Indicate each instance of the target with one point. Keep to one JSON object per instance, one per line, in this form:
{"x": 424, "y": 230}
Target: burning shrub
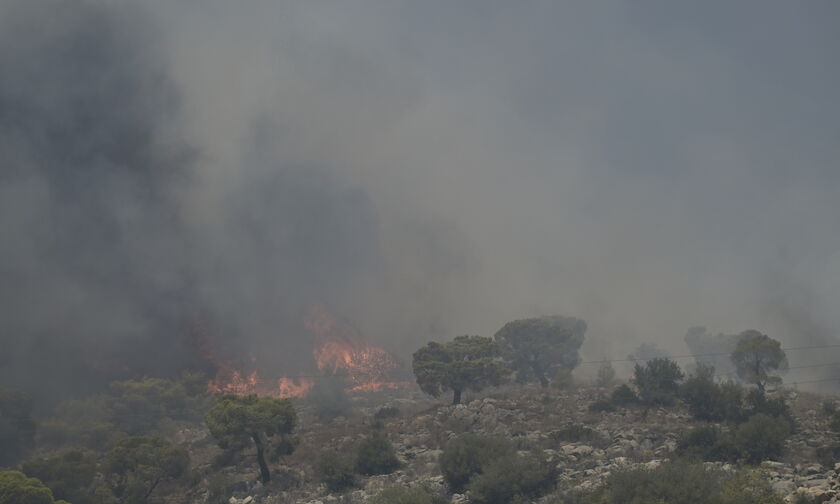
{"x": 336, "y": 471}
{"x": 513, "y": 478}
{"x": 468, "y": 455}
{"x": 376, "y": 455}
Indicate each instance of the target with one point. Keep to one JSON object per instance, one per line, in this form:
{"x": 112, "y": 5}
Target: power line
{"x": 694, "y": 356}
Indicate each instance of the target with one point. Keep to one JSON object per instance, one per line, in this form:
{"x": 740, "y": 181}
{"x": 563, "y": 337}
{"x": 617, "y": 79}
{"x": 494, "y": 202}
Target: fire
{"x": 339, "y": 350}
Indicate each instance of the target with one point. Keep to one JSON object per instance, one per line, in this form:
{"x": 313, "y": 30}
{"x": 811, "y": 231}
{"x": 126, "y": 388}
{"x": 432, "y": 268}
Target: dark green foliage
{"x": 137, "y": 465}
{"x": 386, "y": 412}
{"x": 658, "y": 382}
{"x": 511, "y": 479}
{"x": 17, "y": 428}
{"x": 760, "y": 403}
{"x": 538, "y": 348}
{"x": 411, "y": 495}
{"x": 606, "y": 375}
{"x": 577, "y": 433}
{"x": 17, "y": 488}
{"x": 336, "y": 471}
{"x": 760, "y": 438}
{"x": 468, "y": 455}
{"x": 710, "y": 401}
{"x": 467, "y": 362}
{"x": 828, "y": 455}
{"x": 84, "y": 423}
{"x": 237, "y": 421}
{"x": 623, "y": 396}
{"x": 376, "y": 455}
{"x": 328, "y": 398}
{"x": 602, "y": 405}
{"x": 563, "y": 380}
{"x": 757, "y": 356}
{"x": 678, "y": 483}
{"x": 69, "y": 475}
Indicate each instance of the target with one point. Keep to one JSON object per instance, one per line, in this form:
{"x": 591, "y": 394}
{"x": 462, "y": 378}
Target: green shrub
{"x": 563, "y": 380}
{"x": 336, "y": 471}
{"x": 623, "y": 396}
{"x": 468, "y": 455}
{"x": 828, "y": 455}
{"x": 712, "y": 402}
{"x": 16, "y": 488}
{"x": 606, "y": 375}
{"x": 577, "y": 433}
{"x": 328, "y": 398}
{"x": 658, "y": 382}
{"x": 218, "y": 489}
{"x": 386, "y": 412}
{"x": 512, "y": 479}
{"x": 404, "y": 495}
{"x": 680, "y": 482}
{"x": 376, "y": 455}
{"x": 602, "y": 405}
{"x": 760, "y": 403}
{"x": 761, "y": 437}
{"x": 69, "y": 475}
{"x": 17, "y": 428}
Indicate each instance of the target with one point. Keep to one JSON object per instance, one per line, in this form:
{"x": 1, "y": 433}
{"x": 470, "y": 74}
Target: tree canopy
{"x": 17, "y": 428}
{"x": 537, "y": 348}
{"x": 467, "y": 362}
{"x": 237, "y": 420}
{"x": 138, "y": 464}
{"x": 68, "y": 475}
{"x": 756, "y": 356}
{"x": 17, "y": 488}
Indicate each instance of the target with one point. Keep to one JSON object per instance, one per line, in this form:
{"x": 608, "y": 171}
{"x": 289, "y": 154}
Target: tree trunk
{"x": 456, "y": 397}
{"x": 265, "y": 476}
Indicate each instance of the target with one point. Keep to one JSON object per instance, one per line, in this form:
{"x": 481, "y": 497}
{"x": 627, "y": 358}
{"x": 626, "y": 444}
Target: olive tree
{"x": 756, "y": 356}
{"x": 467, "y": 362}
{"x": 537, "y": 348}
{"x": 236, "y": 421}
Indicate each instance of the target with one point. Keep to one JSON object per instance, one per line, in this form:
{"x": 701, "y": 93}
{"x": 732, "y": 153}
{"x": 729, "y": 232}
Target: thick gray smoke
{"x": 423, "y": 169}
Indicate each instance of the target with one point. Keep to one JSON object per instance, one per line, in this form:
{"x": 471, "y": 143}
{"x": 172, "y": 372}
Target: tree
{"x": 235, "y": 421}
{"x": 17, "y": 428}
{"x": 537, "y": 348}
{"x": 756, "y": 356}
{"x": 658, "y": 381}
{"x": 606, "y": 375}
{"x": 467, "y": 362}
{"x": 69, "y": 475}
{"x": 17, "y": 488}
{"x": 137, "y": 465}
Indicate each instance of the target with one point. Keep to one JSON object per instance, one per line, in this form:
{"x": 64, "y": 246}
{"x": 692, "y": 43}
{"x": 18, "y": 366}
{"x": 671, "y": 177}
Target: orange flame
{"x": 339, "y": 350}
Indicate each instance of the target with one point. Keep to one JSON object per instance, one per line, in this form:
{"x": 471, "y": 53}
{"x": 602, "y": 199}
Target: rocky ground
{"x": 534, "y": 419}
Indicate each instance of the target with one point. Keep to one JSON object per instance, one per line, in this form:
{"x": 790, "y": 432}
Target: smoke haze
{"x": 424, "y": 169}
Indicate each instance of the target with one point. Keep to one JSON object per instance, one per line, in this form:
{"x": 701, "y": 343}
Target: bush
{"x": 336, "y": 471}
{"x": 606, "y": 375}
{"x": 512, "y": 479}
{"x": 828, "y": 455}
{"x": 16, "y": 488}
{"x": 386, "y": 412}
{"x": 376, "y": 455}
{"x": 760, "y": 403}
{"x": 69, "y": 475}
{"x": 468, "y": 455}
{"x": 601, "y": 406}
{"x": 679, "y": 482}
{"x": 712, "y": 402}
{"x": 403, "y": 495}
{"x": 577, "y": 433}
{"x": 563, "y": 380}
{"x": 761, "y": 437}
{"x": 658, "y": 382}
{"x": 623, "y": 395}
{"x": 328, "y": 398}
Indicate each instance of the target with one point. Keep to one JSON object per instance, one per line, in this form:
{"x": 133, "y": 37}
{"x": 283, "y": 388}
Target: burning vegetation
{"x": 338, "y": 350}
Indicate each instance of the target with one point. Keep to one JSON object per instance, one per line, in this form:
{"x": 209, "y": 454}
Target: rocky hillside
{"x": 584, "y": 446}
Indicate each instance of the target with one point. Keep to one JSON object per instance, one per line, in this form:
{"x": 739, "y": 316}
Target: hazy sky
{"x": 426, "y": 169}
